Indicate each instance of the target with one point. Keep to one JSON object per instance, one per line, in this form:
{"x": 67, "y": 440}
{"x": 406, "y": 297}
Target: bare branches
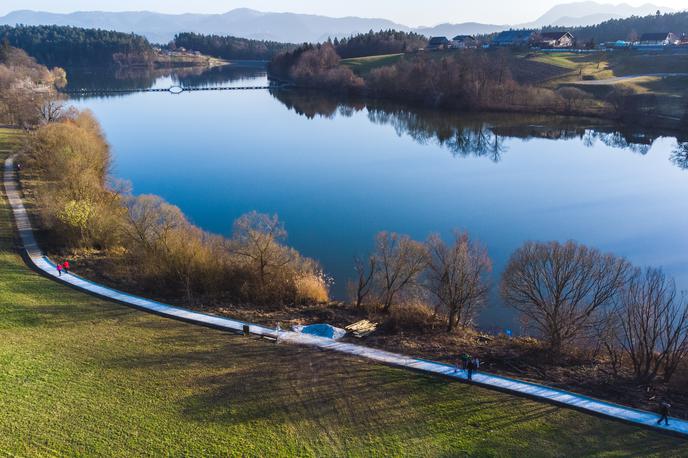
{"x": 366, "y": 273}
{"x": 561, "y": 287}
{"x": 680, "y": 156}
{"x": 258, "y": 238}
{"x": 28, "y": 91}
{"x": 457, "y": 277}
{"x": 653, "y": 325}
{"x": 401, "y": 261}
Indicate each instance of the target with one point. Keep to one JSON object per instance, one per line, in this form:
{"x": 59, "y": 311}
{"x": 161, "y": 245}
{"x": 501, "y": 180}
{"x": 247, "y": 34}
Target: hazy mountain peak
{"x": 299, "y": 28}
{"x": 590, "y": 12}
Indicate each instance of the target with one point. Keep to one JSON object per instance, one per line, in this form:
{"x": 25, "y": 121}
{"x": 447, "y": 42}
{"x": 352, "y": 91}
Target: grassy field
{"x": 85, "y": 377}
{"x": 363, "y": 65}
{"x": 609, "y": 65}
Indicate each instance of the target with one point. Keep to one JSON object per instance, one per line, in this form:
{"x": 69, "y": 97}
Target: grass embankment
{"x": 363, "y": 65}
{"x": 602, "y": 67}
{"x": 82, "y": 376}
{"x": 631, "y": 71}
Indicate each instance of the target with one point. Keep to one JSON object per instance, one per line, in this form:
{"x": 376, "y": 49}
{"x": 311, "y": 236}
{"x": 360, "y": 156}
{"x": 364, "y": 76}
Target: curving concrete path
{"x": 621, "y": 79}
{"x": 508, "y": 385}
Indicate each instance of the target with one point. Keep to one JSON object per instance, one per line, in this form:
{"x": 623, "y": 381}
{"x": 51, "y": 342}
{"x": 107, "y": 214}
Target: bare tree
{"x": 366, "y": 273}
{"x": 151, "y": 221}
{"x": 653, "y": 325}
{"x": 560, "y": 287}
{"x": 400, "y": 261}
{"x": 258, "y": 238}
{"x": 457, "y": 277}
{"x": 574, "y": 98}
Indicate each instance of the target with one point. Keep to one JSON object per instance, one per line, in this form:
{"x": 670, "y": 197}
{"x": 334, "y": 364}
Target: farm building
{"x": 513, "y": 38}
{"x": 437, "y": 43}
{"x": 464, "y": 42}
{"x": 555, "y": 40}
{"x": 659, "y": 39}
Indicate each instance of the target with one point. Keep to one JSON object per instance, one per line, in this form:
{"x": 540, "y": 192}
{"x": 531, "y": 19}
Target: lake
{"x": 337, "y": 172}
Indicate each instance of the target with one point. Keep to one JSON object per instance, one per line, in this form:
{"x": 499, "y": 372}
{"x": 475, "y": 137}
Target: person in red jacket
{"x": 65, "y": 266}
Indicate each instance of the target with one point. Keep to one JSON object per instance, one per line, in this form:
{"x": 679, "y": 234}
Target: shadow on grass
{"x": 240, "y": 381}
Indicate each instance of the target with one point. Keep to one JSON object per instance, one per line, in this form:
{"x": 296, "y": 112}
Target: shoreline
{"x": 510, "y": 386}
{"x": 520, "y": 357}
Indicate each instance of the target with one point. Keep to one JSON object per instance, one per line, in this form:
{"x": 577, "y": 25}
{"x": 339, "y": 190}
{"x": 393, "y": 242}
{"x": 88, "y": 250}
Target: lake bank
{"x": 144, "y": 383}
{"x": 630, "y": 87}
{"x": 508, "y": 356}
{"x": 479, "y": 172}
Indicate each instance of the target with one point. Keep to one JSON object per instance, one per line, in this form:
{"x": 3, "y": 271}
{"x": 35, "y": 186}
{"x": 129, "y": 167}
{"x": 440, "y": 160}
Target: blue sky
{"x": 413, "y": 13}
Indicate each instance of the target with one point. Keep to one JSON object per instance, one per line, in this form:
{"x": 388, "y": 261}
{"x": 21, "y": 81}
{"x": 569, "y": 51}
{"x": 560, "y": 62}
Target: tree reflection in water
{"x": 475, "y": 135}
{"x": 680, "y": 156}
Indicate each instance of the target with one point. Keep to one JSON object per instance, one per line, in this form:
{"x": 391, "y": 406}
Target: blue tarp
{"x": 322, "y": 330}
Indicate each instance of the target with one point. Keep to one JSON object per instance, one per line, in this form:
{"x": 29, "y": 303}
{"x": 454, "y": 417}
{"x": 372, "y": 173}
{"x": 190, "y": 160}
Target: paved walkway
{"x": 516, "y": 387}
{"x": 621, "y": 79}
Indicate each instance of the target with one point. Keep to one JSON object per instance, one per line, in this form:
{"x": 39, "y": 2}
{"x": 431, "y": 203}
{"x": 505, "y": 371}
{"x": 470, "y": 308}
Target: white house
{"x": 659, "y": 39}
{"x": 464, "y": 42}
{"x": 555, "y": 40}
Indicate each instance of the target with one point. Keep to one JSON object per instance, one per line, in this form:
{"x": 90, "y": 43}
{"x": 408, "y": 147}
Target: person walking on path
{"x": 471, "y": 368}
{"x": 665, "y": 410}
{"x": 65, "y": 266}
{"x": 465, "y": 358}
{"x": 59, "y": 270}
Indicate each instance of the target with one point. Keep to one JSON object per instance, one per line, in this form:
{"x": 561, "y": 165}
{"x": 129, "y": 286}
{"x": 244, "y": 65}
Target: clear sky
{"x": 412, "y": 13}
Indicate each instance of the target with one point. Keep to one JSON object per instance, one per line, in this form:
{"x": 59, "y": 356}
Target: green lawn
{"x": 363, "y": 65}
{"x": 85, "y": 377}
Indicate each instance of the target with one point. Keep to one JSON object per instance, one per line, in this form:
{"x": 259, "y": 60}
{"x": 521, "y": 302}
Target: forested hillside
{"x": 379, "y": 43}
{"x": 72, "y": 47}
{"x": 226, "y": 47}
{"x": 631, "y": 28}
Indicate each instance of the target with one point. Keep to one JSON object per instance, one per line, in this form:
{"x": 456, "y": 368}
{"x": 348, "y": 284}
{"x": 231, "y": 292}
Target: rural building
{"x": 555, "y": 40}
{"x": 513, "y": 38}
{"x": 659, "y": 39}
{"x": 437, "y": 43}
{"x": 464, "y": 42}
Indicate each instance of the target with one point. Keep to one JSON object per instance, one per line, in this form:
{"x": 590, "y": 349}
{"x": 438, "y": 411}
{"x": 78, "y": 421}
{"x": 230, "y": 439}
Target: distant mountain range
{"x": 298, "y": 28}
{"x": 591, "y": 13}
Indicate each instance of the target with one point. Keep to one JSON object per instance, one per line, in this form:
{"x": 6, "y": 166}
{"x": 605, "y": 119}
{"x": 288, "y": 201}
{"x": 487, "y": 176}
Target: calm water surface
{"x": 339, "y": 173}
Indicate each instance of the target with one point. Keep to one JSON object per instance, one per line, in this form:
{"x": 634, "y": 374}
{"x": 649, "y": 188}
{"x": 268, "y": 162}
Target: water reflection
{"x": 680, "y": 156}
{"x": 463, "y": 135}
{"x": 471, "y": 135}
{"x": 338, "y": 171}
{"x": 140, "y": 78}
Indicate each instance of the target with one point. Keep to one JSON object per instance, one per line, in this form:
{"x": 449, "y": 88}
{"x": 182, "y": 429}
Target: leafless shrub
{"x": 652, "y": 326}
{"x": 400, "y": 260}
{"x": 574, "y": 98}
{"x": 258, "y": 238}
{"x": 457, "y": 277}
{"x": 410, "y": 316}
{"x": 28, "y": 95}
{"x": 363, "y": 286}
